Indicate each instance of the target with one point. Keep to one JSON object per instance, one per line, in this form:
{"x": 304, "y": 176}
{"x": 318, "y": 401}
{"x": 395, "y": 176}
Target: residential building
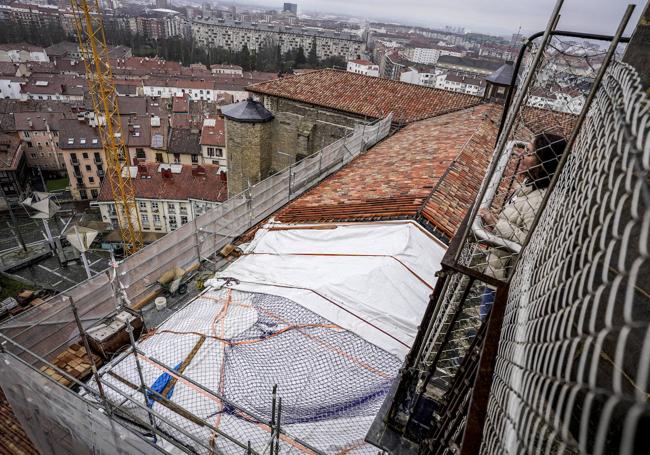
{"x": 392, "y": 66}
{"x": 185, "y": 146}
{"x": 291, "y": 8}
{"x": 168, "y": 195}
{"x": 459, "y": 82}
{"x": 365, "y": 67}
{"x": 69, "y": 89}
{"x": 468, "y": 65}
{"x": 430, "y": 55}
{"x": 83, "y": 156}
{"x": 234, "y": 35}
{"x": 22, "y": 53}
{"x": 39, "y": 132}
{"x": 14, "y": 173}
{"x": 234, "y": 70}
{"x": 426, "y": 77}
{"x": 213, "y": 142}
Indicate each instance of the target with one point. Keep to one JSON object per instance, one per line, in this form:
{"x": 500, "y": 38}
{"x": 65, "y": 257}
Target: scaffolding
{"x": 90, "y": 419}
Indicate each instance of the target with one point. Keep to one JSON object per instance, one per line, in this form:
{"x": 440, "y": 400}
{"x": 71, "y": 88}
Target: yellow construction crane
{"x": 89, "y": 26}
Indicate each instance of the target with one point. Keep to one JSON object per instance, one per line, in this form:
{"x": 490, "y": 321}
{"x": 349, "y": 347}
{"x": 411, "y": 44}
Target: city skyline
{"x": 478, "y": 15}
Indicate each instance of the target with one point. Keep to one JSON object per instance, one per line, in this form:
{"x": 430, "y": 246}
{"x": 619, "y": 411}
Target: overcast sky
{"x": 494, "y": 16}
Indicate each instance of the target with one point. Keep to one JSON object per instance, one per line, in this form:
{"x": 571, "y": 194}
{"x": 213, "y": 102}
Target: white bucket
{"x": 161, "y": 303}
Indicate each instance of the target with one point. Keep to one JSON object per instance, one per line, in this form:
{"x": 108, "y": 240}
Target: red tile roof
{"x": 13, "y": 439}
{"x": 432, "y": 167}
{"x": 214, "y": 135}
{"x": 181, "y": 187}
{"x": 366, "y": 96}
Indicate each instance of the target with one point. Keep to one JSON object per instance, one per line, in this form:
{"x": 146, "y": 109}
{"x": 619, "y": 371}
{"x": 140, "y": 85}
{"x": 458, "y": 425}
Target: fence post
{"x": 84, "y": 339}
{"x": 290, "y": 179}
{"x": 143, "y": 388}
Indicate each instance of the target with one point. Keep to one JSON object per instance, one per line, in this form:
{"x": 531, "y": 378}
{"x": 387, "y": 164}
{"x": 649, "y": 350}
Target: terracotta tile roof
{"x": 366, "y": 96}
{"x": 181, "y": 103}
{"x": 13, "y": 439}
{"x": 433, "y": 167}
{"x": 213, "y": 132}
{"x": 181, "y": 187}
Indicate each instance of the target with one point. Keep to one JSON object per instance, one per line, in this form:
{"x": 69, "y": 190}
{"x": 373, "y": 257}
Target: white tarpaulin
{"x": 373, "y": 279}
{"x": 324, "y": 313}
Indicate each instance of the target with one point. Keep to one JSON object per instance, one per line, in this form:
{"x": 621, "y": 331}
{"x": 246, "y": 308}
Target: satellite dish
{"x": 81, "y": 237}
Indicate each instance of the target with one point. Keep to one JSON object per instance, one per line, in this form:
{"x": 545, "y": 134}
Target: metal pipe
{"x": 84, "y": 338}
{"x": 129, "y": 329}
{"x": 517, "y": 105}
{"x": 579, "y": 122}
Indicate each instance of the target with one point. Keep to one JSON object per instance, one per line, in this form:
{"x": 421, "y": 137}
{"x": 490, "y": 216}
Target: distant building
{"x": 392, "y": 66}
{"x": 430, "y": 55}
{"x": 424, "y": 77}
{"x": 468, "y": 65}
{"x": 365, "y": 67}
{"x": 459, "y": 82}
{"x": 291, "y": 8}
{"x": 22, "y": 53}
{"x": 234, "y": 70}
{"x": 212, "y": 32}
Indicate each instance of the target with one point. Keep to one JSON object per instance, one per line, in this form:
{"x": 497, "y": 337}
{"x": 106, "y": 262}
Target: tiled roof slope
{"x": 183, "y": 186}
{"x": 13, "y": 439}
{"x": 366, "y": 96}
{"x": 446, "y": 156}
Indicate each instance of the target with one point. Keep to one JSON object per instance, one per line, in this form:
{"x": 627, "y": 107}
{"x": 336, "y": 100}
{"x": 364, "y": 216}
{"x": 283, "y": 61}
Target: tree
{"x": 300, "y": 58}
{"x": 313, "y": 55}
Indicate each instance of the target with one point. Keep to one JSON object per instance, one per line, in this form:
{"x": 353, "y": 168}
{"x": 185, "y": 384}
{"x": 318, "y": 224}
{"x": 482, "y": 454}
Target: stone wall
{"x": 249, "y": 147}
{"x": 301, "y": 129}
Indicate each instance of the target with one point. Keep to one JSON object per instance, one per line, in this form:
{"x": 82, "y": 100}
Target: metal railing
{"x": 537, "y": 245}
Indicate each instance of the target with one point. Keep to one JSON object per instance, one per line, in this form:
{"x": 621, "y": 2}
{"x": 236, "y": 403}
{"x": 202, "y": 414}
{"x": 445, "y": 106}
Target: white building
{"x": 426, "y": 78}
{"x": 213, "y": 143}
{"x": 168, "y": 196}
{"x": 196, "y": 89}
{"x": 234, "y": 70}
{"x": 458, "y": 82}
{"x": 21, "y": 53}
{"x": 365, "y": 67}
{"x": 430, "y": 55}
{"x": 10, "y": 88}
{"x": 234, "y": 35}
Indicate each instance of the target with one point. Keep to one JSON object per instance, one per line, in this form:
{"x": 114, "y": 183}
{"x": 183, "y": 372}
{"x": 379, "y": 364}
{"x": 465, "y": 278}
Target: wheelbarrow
{"x": 174, "y": 281}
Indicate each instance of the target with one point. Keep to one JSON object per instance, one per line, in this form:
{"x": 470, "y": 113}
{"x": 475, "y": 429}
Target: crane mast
{"x": 89, "y": 28}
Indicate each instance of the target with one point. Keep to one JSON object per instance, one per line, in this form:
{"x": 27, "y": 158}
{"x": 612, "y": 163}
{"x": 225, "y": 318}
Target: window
{"x": 177, "y": 158}
{"x": 85, "y": 155}
{"x": 183, "y": 220}
{"x": 88, "y": 168}
{"x": 195, "y": 159}
{"x": 139, "y": 153}
{"x": 91, "y": 179}
{"x": 156, "y": 219}
{"x": 143, "y": 205}
{"x": 145, "y": 218}
{"x": 154, "y": 206}
{"x": 159, "y": 158}
{"x": 172, "y": 208}
{"x": 82, "y": 140}
{"x": 94, "y": 193}
{"x": 33, "y": 155}
{"x": 26, "y": 133}
{"x": 98, "y": 158}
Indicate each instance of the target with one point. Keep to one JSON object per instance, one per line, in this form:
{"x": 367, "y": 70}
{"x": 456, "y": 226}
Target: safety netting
{"x": 210, "y": 369}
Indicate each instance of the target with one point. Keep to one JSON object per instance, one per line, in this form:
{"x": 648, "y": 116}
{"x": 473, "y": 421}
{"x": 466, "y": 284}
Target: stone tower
{"x": 248, "y": 141}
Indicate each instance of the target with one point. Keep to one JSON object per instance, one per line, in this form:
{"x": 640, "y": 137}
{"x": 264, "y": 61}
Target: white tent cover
{"x": 325, "y": 312}
{"x": 373, "y": 279}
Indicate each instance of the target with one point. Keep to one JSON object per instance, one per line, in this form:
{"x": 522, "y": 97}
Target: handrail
{"x": 478, "y": 228}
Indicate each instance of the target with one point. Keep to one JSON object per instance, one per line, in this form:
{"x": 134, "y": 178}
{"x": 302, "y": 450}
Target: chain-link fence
{"x": 37, "y": 336}
{"x": 571, "y": 374}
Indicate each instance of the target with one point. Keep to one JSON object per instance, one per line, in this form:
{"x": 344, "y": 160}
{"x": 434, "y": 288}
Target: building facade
{"x": 365, "y": 67}
{"x": 234, "y": 35}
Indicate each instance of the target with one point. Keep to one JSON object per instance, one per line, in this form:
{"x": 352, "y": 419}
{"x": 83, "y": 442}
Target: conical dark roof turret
{"x": 249, "y": 111}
